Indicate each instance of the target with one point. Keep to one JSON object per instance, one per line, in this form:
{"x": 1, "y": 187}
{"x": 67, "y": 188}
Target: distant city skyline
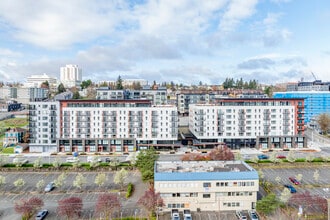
{"x": 272, "y": 41}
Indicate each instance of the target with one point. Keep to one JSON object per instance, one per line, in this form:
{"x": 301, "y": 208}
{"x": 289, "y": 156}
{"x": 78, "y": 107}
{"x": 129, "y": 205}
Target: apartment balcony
{"x": 135, "y": 125}
{"x": 83, "y": 118}
{"x": 109, "y": 118}
{"x": 199, "y": 113}
{"x": 135, "y": 114}
{"x": 135, "y": 118}
{"x": 108, "y": 114}
{"x": 241, "y": 111}
{"x": 201, "y": 118}
{"x": 199, "y": 124}
{"x": 83, "y": 114}
{"x": 83, "y": 125}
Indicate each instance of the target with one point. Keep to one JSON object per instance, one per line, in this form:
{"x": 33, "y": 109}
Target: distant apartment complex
{"x": 261, "y": 123}
{"x": 101, "y": 125}
{"x": 156, "y": 96}
{"x": 184, "y": 100}
{"x": 315, "y": 102}
{"x": 316, "y": 85}
{"x": 71, "y": 76}
{"x": 206, "y": 185}
{"x": 35, "y": 81}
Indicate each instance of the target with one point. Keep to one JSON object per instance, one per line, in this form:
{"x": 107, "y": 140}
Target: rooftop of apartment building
{"x": 203, "y": 170}
{"x": 201, "y": 166}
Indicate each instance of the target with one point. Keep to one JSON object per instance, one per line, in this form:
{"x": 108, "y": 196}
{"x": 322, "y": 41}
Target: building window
{"x": 207, "y": 184}
{"x": 206, "y": 195}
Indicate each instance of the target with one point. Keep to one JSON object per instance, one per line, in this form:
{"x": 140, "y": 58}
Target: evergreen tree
{"x": 60, "y": 88}
{"x": 119, "y": 83}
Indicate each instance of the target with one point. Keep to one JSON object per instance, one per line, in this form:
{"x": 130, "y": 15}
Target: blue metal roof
{"x": 196, "y": 176}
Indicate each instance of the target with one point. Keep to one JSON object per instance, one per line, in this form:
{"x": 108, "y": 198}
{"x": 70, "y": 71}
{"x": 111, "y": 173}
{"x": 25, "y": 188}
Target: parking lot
{"x": 89, "y": 193}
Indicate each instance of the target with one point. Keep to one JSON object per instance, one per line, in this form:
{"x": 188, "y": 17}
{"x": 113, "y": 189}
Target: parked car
{"x": 50, "y": 186}
{"x": 291, "y": 188}
{"x": 253, "y": 215}
{"x": 72, "y": 159}
{"x": 42, "y": 214}
{"x": 20, "y": 160}
{"x": 107, "y": 159}
{"x": 294, "y": 181}
{"x": 240, "y": 215}
{"x": 281, "y": 157}
{"x": 187, "y": 214}
{"x": 175, "y": 214}
{"x": 262, "y": 156}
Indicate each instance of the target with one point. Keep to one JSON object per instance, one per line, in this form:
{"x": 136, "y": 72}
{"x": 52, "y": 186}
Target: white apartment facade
{"x": 44, "y": 126}
{"x": 261, "y": 123}
{"x": 206, "y": 185}
{"x": 112, "y": 125}
{"x": 71, "y": 76}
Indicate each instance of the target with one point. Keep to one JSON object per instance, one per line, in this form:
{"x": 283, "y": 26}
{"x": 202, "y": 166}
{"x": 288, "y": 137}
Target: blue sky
{"x": 184, "y": 41}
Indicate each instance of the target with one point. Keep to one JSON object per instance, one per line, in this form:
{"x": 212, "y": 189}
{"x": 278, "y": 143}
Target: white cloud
{"x": 237, "y": 10}
{"x": 56, "y": 24}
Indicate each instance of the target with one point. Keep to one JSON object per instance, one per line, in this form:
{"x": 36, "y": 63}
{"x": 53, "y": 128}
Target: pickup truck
{"x": 175, "y": 214}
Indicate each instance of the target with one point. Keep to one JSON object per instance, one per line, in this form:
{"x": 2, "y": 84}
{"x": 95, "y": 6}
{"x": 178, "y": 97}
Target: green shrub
{"x": 27, "y": 165}
{"x": 8, "y": 150}
{"x": 82, "y": 153}
{"x": 9, "y": 165}
{"x": 318, "y": 159}
{"x": 47, "y": 165}
{"x": 130, "y": 189}
{"x": 66, "y": 165}
{"x": 68, "y": 153}
{"x": 300, "y": 160}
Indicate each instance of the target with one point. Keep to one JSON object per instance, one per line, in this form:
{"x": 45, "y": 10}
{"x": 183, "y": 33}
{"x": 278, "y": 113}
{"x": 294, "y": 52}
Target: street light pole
{"x": 219, "y": 207}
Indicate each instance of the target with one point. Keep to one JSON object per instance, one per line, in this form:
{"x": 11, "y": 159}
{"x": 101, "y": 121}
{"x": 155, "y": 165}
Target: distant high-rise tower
{"x": 71, "y": 76}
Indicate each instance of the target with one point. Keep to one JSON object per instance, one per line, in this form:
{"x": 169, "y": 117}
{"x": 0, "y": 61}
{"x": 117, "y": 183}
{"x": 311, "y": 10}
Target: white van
{"x": 91, "y": 159}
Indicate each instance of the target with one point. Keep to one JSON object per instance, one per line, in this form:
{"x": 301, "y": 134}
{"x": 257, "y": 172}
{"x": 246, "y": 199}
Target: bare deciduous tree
{"x": 151, "y": 201}
{"x": 324, "y": 122}
{"x": 70, "y": 207}
{"x": 27, "y": 207}
{"x": 107, "y": 203}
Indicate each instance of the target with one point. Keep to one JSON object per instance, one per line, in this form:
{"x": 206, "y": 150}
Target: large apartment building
{"x": 104, "y": 125}
{"x": 44, "y": 126}
{"x": 315, "y": 102}
{"x": 71, "y": 76}
{"x": 206, "y": 185}
{"x": 261, "y": 123}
